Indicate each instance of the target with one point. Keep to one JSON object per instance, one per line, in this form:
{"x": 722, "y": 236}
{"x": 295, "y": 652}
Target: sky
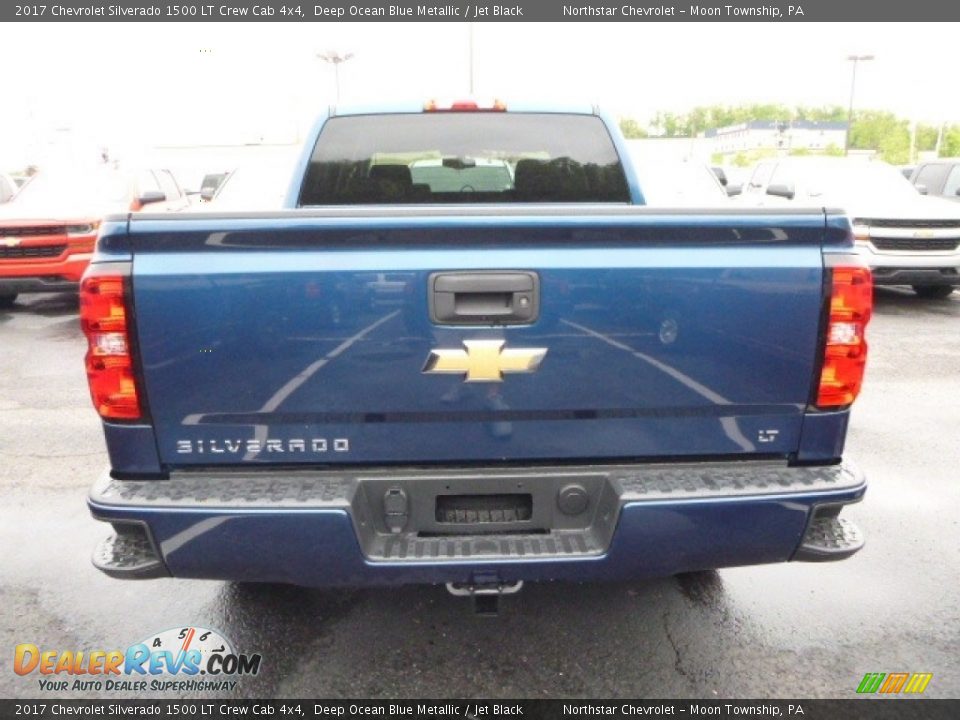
{"x": 131, "y": 86}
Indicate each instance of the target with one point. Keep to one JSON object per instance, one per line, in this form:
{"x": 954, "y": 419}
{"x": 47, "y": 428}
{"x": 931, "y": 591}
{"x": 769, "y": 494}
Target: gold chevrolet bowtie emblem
{"x": 10, "y": 241}
{"x": 922, "y": 234}
{"x": 485, "y": 360}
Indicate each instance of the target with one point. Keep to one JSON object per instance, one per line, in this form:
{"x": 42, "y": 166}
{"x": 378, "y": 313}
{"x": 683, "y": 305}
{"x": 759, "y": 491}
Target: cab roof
{"x": 417, "y": 106}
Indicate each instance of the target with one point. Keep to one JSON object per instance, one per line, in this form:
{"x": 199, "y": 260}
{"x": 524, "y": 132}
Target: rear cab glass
{"x": 464, "y": 158}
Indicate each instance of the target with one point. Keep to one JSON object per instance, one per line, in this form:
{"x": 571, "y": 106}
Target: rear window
{"x": 464, "y": 158}
{"x": 932, "y": 176}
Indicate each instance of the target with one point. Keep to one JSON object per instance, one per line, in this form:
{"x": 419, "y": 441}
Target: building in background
{"x": 760, "y": 136}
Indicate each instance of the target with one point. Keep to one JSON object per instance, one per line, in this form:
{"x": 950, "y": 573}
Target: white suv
{"x": 907, "y": 238}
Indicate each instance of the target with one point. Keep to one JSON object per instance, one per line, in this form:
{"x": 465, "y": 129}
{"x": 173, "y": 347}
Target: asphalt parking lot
{"x": 802, "y": 630}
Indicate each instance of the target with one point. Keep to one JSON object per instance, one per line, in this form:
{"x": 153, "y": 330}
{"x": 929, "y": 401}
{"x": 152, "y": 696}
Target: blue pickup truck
{"x": 467, "y": 353}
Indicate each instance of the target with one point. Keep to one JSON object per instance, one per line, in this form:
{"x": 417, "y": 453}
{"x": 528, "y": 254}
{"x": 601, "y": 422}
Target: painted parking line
{"x": 729, "y": 424}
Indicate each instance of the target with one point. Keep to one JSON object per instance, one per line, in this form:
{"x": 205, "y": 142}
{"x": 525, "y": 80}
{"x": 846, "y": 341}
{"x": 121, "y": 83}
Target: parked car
{"x": 679, "y": 184}
{"x": 8, "y": 188}
{"x": 258, "y": 185}
{"x": 906, "y": 238}
{"x": 210, "y": 183}
{"x": 461, "y": 175}
{"x": 939, "y": 178}
{"x": 48, "y": 231}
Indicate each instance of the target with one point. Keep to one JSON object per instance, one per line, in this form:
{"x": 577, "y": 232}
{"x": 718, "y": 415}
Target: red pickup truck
{"x": 48, "y": 231}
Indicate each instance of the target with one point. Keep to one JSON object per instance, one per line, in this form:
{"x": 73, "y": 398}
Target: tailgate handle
{"x": 484, "y": 298}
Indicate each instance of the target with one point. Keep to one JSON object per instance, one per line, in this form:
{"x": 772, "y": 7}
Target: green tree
{"x": 632, "y": 129}
{"x": 697, "y": 120}
{"x": 829, "y": 113}
{"x": 926, "y": 137}
{"x": 668, "y": 124}
{"x": 884, "y": 132}
{"x": 950, "y": 145}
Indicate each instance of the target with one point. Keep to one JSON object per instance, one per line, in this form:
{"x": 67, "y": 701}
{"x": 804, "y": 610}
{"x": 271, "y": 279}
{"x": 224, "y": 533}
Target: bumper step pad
{"x": 488, "y": 547}
{"x": 129, "y": 556}
{"x": 829, "y": 538}
{"x": 666, "y": 516}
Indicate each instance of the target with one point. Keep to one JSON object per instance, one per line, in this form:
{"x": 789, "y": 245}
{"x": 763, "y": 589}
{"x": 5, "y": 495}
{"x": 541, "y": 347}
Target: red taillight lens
{"x": 103, "y": 317}
{"x": 845, "y": 354}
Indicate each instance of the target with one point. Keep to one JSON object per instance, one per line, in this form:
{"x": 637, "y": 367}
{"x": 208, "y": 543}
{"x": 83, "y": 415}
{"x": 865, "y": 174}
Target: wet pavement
{"x": 794, "y": 630}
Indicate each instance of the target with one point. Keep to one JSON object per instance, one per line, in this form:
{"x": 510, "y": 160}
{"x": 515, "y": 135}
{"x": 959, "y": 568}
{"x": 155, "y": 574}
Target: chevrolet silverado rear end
{"x": 467, "y": 354}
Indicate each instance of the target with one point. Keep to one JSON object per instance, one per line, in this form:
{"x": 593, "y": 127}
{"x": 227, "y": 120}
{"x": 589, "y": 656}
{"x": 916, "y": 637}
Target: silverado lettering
{"x": 269, "y": 445}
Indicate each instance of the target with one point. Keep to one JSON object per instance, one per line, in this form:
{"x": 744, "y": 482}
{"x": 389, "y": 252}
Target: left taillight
{"x": 104, "y": 317}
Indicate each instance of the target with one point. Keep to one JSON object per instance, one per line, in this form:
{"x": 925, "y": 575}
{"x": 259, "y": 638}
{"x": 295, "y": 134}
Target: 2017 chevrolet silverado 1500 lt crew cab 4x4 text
{"x": 568, "y": 385}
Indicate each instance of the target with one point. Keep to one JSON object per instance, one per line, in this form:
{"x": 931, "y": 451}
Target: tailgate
{"x": 314, "y": 338}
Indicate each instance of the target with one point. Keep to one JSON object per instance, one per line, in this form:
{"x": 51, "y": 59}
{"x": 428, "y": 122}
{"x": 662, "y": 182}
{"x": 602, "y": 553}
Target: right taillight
{"x": 845, "y": 350}
{"x": 104, "y": 319}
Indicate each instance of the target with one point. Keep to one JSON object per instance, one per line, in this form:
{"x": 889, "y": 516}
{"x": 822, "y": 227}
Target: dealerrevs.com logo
{"x": 180, "y": 659}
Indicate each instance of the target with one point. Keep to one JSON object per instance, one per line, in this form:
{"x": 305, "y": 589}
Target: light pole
{"x": 470, "y": 45}
{"x": 335, "y": 59}
{"x": 853, "y": 85}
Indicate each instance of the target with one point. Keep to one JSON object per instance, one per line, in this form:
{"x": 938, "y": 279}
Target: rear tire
{"x": 7, "y": 300}
{"x": 933, "y": 292}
